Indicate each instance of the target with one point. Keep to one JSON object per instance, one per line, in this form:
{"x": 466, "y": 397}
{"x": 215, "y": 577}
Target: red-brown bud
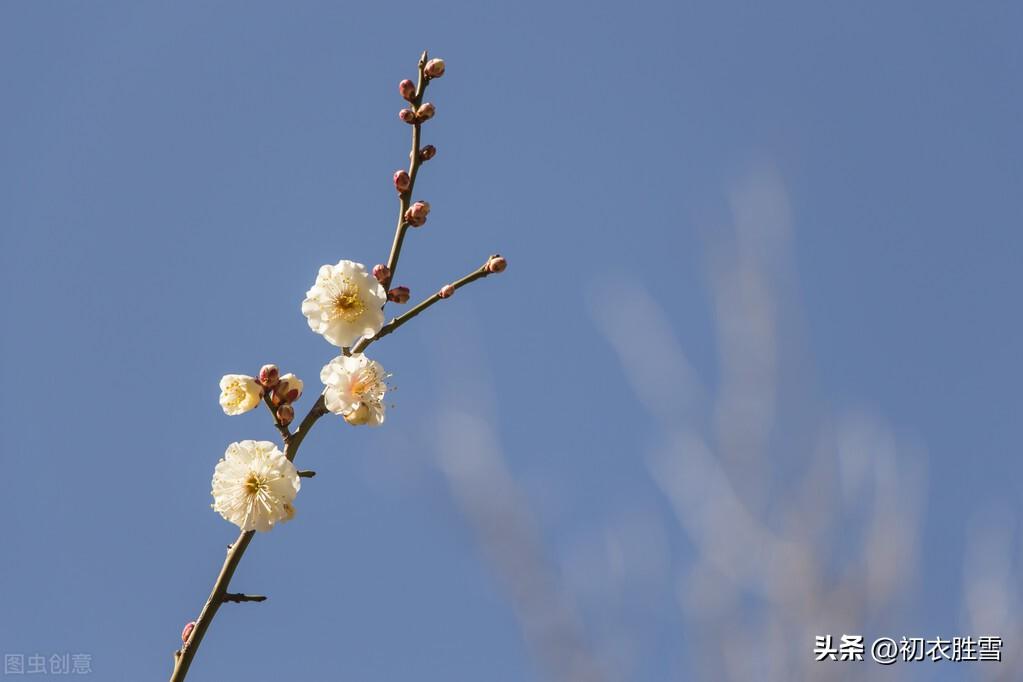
{"x": 268, "y": 376}
{"x": 407, "y": 115}
{"x": 407, "y": 89}
{"x": 446, "y": 291}
{"x": 402, "y": 181}
{"x": 288, "y": 390}
{"x": 399, "y": 295}
{"x": 434, "y": 68}
{"x": 187, "y": 632}
{"x": 427, "y": 152}
{"x": 285, "y": 414}
{"x": 381, "y": 272}
{"x": 425, "y": 112}
{"x": 496, "y": 263}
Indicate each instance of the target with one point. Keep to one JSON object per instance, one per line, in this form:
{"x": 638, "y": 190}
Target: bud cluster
{"x": 284, "y": 390}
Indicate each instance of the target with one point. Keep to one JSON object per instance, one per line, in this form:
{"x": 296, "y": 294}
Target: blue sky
{"x": 764, "y": 284}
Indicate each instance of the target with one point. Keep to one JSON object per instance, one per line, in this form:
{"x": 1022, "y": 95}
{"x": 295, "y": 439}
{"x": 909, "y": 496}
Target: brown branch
{"x": 293, "y": 440}
{"x": 183, "y": 656}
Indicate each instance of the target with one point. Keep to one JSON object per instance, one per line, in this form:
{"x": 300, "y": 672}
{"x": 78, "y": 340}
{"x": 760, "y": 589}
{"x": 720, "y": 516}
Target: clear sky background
{"x": 753, "y": 373}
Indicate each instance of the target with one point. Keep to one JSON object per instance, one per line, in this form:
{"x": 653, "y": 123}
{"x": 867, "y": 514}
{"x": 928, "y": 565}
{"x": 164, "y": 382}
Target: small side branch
{"x": 305, "y": 473}
{"x": 238, "y": 598}
{"x": 445, "y": 292}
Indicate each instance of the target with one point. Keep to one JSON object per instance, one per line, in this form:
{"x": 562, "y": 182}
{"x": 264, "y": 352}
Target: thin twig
{"x": 282, "y": 428}
{"x": 405, "y": 198}
{"x": 396, "y": 322}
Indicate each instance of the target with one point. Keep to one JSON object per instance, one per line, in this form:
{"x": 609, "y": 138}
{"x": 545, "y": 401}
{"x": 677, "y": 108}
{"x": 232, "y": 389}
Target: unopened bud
{"x": 268, "y": 376}
{"x": 407, "y": 89}
{"x": 427, "y": 152}
{"x": 402, "y": 181}
{"x": 381, "y": 272}
{"x": 434, "y": 68}
{"x": 359, "y": 415}
{"x": 425, "y": 112}
{"x": 407, "y": 115}
{"x": 399, "y": 295}
{"x": 187, "y": 632}
{"x": 285, "y": 414}
{"x": 446, "y": 291}
{"x": 496, "y": 264}
{"x": 416, "y": 213}
{"x": 288, "y": 389}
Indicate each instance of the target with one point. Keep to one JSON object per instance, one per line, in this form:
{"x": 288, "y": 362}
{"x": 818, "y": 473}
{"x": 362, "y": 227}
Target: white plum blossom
{"x": 239, "y": 393}
{"x": 345, "y": 303}
{"x": 355, "y": 389}
{"x": 254, "y": 485}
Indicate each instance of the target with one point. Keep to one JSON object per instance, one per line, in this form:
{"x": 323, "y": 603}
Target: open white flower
{"x": 355, "y": 389}
{"x": 239, "y": 393}
{"x": 254, "y": 485}
{"x": 346, "y": 302}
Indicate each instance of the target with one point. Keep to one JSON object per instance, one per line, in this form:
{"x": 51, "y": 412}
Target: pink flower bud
{"x": 425, "y": 112}
{"x": 187, "y": 632}
{"x": 285, "y": 414}
{"x": 416, "y": 213}
{"x": 407, "y": 89}
{"x": 402, "y": 181}
{"x": 446, "y": 291}
{"x": 407, "y": 115}
{"x": 399, "y": 295}
{"x": 434, "y": 68}
{"x": 496, "y": 264}
{"x": 268, "y": 376}
{"x": 381, "y": 272}
{"x": 427, "y": 152}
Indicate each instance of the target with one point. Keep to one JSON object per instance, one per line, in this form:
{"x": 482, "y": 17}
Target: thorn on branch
{"x": 238, "y": 597}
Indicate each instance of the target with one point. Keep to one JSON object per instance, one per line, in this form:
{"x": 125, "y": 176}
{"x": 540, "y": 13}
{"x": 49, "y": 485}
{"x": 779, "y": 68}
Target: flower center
{"x": 235, "y": 394}
{"x": 256, "y": 484}
{"x": 345, "y": 303}
{"x": 365, "y": 382}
